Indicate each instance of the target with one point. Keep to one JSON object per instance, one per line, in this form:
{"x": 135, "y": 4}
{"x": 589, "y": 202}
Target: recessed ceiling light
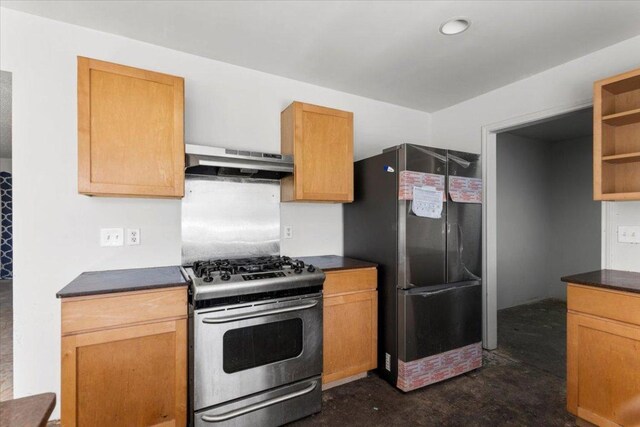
{"x": 454, "y": 26}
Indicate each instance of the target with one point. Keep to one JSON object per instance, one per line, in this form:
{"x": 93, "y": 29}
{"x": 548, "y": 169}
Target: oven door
{"x": 247, "y": 348}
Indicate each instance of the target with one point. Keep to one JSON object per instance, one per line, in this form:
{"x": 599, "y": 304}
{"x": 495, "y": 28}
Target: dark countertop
{"x": 334, "y": 262}
{"x": 31, "y": 411}
{"x": 135, "y": 279}
{"x": 610, "y": 279}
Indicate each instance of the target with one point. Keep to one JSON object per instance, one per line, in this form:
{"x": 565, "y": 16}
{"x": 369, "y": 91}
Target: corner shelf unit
{"x": 616, "y": 137}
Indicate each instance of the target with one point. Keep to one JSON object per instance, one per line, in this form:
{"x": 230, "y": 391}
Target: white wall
{"x": 622, "y": 256}
{"x": 524, "y": 219}
{"x": 575, "y": 242}
{"x": 548, "y": 223}
{"x": 459, "y": 126}
{"x": 56, "y": 230}
{"x": 5, "y": 165}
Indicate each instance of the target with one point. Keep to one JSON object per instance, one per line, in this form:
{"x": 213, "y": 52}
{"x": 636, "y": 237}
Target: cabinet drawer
{"x": 339, "y": 282}
{"x": 616, "y": 305}
{"x": 123, "y": 308}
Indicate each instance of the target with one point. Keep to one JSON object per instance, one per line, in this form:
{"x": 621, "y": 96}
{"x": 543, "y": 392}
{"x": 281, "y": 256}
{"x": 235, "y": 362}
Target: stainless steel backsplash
{"x": 229, "y": 218}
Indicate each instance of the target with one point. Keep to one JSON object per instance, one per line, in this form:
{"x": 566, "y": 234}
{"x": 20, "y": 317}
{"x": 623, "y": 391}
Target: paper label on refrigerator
{"x": 465, "y": 190}
{"x": 427, "y": 202}
{"x": 410, "y": 179}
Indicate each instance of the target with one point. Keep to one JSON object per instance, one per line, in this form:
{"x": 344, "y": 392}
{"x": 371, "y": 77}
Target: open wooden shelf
{"x": 616, "y": 137}
{"x": 624, "y": 118}
{"x": 622, "y": 158}
{"x": 620, "y": 93}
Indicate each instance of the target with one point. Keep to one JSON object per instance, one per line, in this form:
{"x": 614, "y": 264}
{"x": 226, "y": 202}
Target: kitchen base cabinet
{"x": 131, "y": 374}
{"x": 603, "y": 356}
{"x": 350, "y": 325}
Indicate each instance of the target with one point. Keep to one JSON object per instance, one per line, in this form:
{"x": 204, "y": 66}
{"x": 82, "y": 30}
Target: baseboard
{"x": 343, "y": 381}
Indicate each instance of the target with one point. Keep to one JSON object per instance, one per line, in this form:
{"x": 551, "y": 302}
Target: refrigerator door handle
{"x": 443, "y": 290}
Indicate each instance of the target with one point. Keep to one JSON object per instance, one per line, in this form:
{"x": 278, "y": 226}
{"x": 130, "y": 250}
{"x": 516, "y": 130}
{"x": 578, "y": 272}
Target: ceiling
{"x": 569, "y": 126}
{"x": 385, "y": 50}
{"x": 5, "y": 115}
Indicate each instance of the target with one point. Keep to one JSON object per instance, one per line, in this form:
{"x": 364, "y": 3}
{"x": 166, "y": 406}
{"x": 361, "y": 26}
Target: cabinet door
{"x": 130, "y": 131}
{"x": 350, "y": 335}
{"x": 130, "y": 376}
{"x": 603, "y": 370}
{"x": 321, "y": 141}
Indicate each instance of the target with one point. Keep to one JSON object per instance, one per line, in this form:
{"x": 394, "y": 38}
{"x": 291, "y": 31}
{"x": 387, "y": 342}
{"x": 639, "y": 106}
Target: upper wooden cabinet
{"x": 616, "y": 137}
{"x": 130, "y": 131}
{"x": 321, "y": 141}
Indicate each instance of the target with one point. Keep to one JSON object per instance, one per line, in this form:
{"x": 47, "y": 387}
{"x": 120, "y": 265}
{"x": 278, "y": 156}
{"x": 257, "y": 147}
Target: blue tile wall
{"x": 6, "y": 237}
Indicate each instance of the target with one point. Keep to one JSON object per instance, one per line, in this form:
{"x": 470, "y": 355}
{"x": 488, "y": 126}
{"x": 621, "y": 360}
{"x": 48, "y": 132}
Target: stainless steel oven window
{"x": 258, "y": 345}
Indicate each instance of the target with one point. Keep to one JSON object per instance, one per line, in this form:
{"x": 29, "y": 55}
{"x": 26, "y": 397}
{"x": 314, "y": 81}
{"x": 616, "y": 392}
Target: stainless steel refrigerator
{"x": 429, "y": 274}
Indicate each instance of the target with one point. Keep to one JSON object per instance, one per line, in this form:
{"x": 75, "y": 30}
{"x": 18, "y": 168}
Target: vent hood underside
{"x": 224, "y": 162}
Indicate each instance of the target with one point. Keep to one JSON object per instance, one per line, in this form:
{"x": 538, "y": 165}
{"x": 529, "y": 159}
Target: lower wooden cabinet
{"x": 129, "y": 375}
{"x": 603, "y": 356}
{"x": 350, "y": 324}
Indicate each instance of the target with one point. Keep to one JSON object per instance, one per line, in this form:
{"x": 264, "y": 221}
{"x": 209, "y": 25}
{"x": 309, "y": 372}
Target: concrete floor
{"x": 536, "y": 335}
{"x": 521, "y": 384}
{"x": 6, "y": 339}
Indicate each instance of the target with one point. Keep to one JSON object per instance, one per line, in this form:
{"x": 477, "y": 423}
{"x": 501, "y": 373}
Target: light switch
{"x": 111, "y": 237}
{"x": 629, "y": 234}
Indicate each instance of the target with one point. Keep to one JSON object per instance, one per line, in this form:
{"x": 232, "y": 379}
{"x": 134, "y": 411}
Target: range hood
{"x": 226, "y": 162}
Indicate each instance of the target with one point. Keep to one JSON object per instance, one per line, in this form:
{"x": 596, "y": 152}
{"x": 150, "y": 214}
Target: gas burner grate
{"x": 226, "y": 267}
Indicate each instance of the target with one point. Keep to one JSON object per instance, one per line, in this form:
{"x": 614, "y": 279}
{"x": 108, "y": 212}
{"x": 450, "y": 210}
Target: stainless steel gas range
{"x": 255, "y": 341}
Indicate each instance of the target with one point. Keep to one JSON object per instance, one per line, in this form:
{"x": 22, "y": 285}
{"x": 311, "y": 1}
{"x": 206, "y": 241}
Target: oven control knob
{"x": 311, "y": 268}
{"x": 225, "y": 276}
{"x": 297, "y": 270}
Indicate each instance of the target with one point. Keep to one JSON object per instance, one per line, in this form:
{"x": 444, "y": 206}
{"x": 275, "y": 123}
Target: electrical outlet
{"x": 111, "y": 236}
{"x": 629, "y": 234}
{"x": 133, "y": 236}
{"x": 288, "y": 232}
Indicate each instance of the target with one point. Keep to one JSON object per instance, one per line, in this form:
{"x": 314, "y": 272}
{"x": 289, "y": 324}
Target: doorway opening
{"x": 6, "y": 240}
{"x": 547, "y": 226}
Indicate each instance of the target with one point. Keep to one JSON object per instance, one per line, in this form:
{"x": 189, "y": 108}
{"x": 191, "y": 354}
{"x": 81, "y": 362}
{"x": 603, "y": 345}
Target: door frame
{"x": 489, "y": 212}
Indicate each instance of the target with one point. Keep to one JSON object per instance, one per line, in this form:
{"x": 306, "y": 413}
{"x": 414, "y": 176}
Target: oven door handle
{"x": 236, "y": 317}
{"x": 269, "y": 402}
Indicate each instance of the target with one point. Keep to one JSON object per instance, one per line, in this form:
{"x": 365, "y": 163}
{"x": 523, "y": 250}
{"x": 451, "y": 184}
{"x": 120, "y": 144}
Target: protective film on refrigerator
{"x": 410, "y": 179}
{"x": 465, "y": 190}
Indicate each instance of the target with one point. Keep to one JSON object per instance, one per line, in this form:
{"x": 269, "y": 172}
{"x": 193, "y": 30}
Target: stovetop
{"x": 227, "y": 267}
{"x": 242, "y": 276}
